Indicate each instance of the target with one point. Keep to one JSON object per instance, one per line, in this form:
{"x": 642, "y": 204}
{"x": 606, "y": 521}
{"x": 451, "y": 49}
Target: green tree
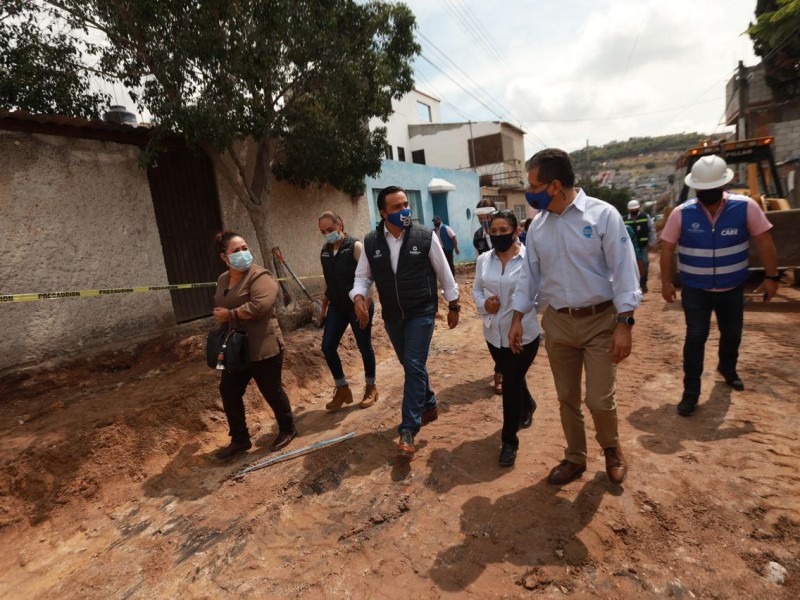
{"x": 776, "y": 39}
{"x": 265, "y": 87}
{"x": 617, "y": 197}
{"x": 41, "y": 63}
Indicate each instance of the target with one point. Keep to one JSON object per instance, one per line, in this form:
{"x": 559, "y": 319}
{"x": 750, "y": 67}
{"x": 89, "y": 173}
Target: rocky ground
{"x": 108, "y": 488}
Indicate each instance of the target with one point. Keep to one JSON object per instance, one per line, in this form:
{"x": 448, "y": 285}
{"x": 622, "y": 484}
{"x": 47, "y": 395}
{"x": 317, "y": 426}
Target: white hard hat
{"x": 633, "y": 205}
{"x": 709, "y": 173}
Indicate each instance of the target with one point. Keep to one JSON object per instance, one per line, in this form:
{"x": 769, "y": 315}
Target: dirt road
{"x": 108, "y": 488}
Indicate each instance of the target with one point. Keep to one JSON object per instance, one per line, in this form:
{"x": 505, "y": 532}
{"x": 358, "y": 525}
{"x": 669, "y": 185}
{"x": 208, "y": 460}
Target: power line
{"x": 460, "y": 70}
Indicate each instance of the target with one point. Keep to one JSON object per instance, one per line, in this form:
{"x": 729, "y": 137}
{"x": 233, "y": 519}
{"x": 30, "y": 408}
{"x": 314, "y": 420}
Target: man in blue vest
{"x": 645, "y": 232}
{"x": 448, "y": 239}
{"x": 711, "y": 234}
{"x": 405, "y": 259}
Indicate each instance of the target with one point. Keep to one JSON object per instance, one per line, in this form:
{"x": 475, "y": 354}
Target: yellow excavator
{"x": 761, "y": 182}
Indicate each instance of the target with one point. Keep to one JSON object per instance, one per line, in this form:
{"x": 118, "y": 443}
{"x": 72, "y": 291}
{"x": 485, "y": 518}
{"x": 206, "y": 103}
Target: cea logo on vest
{"x": 729, "y": 231}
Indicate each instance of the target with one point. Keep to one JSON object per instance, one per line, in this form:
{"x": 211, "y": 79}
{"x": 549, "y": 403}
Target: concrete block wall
{"x": 787, "y": 140}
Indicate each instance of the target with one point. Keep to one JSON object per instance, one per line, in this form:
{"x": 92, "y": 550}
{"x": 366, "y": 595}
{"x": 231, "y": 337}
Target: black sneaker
{"x": 732, "y": 379}
{"x": 232, "y": 449}
{"x": 508, "y": 455}
{"x": 687, "y": 405}
{"x": 527, "y": 417}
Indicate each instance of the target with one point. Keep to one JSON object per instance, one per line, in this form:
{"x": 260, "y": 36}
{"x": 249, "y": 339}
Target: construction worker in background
{"x": 645, "y": 233}
{"x": 449, "y": 241}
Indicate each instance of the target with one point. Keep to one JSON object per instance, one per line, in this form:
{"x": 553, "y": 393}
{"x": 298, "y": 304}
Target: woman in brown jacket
{"x": 247, "y": 293}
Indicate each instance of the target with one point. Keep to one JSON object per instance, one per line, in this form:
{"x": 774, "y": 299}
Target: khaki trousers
{"x": 574, "y": 344}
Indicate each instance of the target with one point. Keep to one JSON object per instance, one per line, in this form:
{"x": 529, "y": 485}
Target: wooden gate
{"x": 184, "y": 193}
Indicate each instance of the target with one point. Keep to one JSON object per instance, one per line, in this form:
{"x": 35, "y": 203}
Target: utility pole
{"x": 472, "y": 145}
{"x": 741, "y": 80}
{"x": 741, "y": 125}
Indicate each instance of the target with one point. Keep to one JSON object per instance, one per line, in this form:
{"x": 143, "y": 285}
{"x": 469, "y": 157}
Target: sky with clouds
{"x": 572, "y": 70}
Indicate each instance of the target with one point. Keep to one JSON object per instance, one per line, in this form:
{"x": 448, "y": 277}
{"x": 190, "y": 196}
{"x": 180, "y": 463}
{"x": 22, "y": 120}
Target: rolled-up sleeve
{"x": 528, "y": 282}
{"x": 363, "y": 279}
{"x": 621, "y": 259}
{"x": 263, "y": 292}
{"x": 442, "y": 269}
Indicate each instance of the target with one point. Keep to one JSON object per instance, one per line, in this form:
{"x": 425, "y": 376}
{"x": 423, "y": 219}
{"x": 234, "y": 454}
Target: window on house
{"x": 401, "y": 154}
{"x": 418, "y": 157}
{"x": 389, "y": 154}
{"x": 424, "y": 112}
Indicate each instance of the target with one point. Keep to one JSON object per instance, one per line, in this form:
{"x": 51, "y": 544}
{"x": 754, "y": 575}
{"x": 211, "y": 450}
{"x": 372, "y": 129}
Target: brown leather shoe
{"x": 405, "y": 449}
{"x": 341, "y": 395}
{"x": 370, "y": 396}
{"x": 232, "y": 449}
{"x": 430, "y": 415}
{"x": 498, "y": 383}
{"x": 616, "y": 468}
{"x": 283, "y": 439}
{"x": 564, "y": 472}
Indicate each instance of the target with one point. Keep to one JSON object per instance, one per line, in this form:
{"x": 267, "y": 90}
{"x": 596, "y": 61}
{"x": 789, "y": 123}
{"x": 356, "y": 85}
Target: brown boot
{"x": 342, "y": 395}
{"x": 498, "y": 383}
{"x": 405, "y": 449}
{"x": 616, "y": 468}
{"x": 370, "y": 396}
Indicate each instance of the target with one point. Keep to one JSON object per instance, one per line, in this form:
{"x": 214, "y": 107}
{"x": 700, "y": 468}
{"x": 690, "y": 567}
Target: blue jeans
{"x": 697, "y": 308}
{"x": 336, "y": 323}
{"x": 411, "y": 339}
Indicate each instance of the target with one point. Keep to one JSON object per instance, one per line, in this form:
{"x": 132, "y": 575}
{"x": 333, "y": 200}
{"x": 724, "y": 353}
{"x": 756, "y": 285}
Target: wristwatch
{"x": 773, "y": 277}
{"x": 629, "y": 321}
{"x": 454, "y": 307}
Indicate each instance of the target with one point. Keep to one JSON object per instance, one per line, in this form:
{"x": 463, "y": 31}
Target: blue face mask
{"x": 401, "y": 218}
{"x": 241, "y": 260}
{"x": 540, "y": 200}
{"x": 332, "y": 237}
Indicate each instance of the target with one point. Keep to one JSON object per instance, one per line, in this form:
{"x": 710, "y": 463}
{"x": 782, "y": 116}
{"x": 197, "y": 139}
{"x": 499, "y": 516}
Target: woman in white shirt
{"x": 496, "y": 275}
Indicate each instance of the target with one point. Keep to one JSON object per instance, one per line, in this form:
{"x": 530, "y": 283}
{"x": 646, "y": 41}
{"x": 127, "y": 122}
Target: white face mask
{"x": 333, "y": 237}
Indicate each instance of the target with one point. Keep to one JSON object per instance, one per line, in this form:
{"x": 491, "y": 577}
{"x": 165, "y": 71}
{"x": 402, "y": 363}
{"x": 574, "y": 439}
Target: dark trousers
{"x": 449, "y": 255}
{"x": 267, "y": 374}
{"x": 411, "y": 340}
{"x": 697, "y": 308}
{"x": 517, "y": 399}
{"x": 336, "y": 323}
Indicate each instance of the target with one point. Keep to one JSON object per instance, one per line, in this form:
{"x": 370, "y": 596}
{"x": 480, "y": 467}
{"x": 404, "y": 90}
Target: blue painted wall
{"x": 461, "y": 202}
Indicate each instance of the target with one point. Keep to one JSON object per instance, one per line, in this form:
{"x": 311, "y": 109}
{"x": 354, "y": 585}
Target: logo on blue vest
{"x": 696, "y": 228}
{"x": 729, "y": 231}
{"x": 587, "y": 232}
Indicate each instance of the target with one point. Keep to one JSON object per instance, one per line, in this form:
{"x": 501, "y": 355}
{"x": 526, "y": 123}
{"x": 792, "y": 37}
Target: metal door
{"x": 184, "y": 193}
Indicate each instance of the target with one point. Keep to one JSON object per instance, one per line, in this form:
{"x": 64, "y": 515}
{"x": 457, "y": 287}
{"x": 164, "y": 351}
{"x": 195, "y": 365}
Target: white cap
{"x": 633, "y": 205}
{"x": 709, "y": 173}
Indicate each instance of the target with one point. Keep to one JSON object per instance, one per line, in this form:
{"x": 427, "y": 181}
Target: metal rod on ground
{"x": 297, "y": 452}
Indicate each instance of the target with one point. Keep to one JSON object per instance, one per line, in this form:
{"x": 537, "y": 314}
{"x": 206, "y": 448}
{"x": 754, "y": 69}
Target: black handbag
{"x": 227, "y": 348}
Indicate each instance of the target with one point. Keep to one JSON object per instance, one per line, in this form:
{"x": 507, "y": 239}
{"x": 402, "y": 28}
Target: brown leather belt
{"x": 586, "y": 311}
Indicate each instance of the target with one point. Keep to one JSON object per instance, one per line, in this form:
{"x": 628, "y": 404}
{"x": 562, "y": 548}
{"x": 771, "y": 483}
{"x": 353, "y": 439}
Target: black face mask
{"x": 501, "y": 243}
{"x": 709, "y": 197}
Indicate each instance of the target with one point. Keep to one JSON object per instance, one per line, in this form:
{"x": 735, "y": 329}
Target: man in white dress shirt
{"x": 405, "y": 260}
{"x": 581, "y": 260}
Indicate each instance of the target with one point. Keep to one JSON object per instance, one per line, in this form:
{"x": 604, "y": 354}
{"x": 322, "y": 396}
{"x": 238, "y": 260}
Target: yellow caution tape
{"x": 112, "y": 291}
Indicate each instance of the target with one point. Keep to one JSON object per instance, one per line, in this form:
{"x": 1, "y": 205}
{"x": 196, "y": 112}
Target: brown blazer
{"x": 255, "y": 293}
